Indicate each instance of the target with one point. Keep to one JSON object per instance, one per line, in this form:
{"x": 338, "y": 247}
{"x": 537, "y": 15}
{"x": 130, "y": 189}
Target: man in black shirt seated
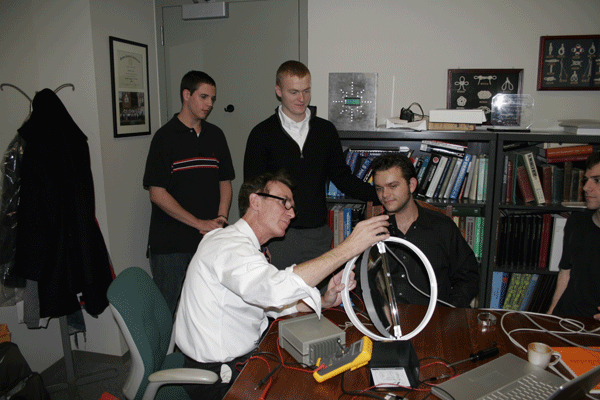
{"x": 577, "y": 291}
{"x": 436, "y": 235}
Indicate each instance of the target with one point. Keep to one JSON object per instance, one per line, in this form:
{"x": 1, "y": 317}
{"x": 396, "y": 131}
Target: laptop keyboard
{"x": 526, "y": 388}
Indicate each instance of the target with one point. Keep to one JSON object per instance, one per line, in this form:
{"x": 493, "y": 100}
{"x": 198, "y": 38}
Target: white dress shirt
{"x": 229, "y": 290}
{"x": 297, "y": 130}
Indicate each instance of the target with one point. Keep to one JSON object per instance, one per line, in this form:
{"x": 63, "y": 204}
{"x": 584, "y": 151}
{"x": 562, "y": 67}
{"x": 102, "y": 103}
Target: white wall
{"x": 417, "y": 41}
{"x": 48, "y": 43}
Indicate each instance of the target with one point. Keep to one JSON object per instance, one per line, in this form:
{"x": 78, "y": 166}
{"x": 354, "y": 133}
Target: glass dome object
{"x": 379, "y": 292}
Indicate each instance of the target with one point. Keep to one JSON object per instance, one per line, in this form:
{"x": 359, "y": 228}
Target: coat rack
{"x": 72, "y": 381}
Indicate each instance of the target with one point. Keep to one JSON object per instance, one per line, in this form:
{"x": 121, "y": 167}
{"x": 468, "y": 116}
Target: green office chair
{"x": 144, "y": 318}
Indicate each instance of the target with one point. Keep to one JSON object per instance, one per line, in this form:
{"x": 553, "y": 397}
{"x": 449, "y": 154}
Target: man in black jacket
{"x": 309, "y": 149}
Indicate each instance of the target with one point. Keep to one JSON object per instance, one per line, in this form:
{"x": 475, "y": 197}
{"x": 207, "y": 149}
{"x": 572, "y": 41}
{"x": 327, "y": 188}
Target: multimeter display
{"x": 352, "y": 101}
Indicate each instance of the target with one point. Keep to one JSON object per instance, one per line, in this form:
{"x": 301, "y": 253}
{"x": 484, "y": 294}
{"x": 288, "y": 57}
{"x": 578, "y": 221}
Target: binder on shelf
{"x": 534, "y": 178}
{"x": 558, "y": 233}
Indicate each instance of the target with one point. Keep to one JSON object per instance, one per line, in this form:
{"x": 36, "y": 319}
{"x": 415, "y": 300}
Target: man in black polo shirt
{"x": 188, "y": 173}
{"x": 437, "y": 236}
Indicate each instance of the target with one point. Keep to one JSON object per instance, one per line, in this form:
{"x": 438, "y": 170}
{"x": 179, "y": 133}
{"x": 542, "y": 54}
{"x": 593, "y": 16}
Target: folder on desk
{"x": 510, "y": 375}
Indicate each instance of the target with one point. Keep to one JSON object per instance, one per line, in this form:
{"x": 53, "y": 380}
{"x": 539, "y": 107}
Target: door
{"x": 242, "y": 54}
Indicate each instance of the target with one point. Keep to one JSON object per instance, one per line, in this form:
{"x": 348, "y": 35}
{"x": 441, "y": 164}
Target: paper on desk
{"x": 401, "y": 123}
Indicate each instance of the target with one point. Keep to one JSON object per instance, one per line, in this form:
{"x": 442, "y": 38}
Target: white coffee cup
{"x": 540, "y": 354}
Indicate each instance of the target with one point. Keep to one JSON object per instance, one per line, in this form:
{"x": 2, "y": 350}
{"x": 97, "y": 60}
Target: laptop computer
{"x": 510, "y": 375}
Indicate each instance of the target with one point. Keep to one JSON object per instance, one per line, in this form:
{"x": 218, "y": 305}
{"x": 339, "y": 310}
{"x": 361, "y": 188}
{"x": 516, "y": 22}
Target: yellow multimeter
{"x": 355, "y": 356}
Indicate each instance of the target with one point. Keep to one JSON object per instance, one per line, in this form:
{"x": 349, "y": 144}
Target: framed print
{"x": 475, "y": 88}
{"x": 569, "y": 63}
{"x": 129, "y": 80}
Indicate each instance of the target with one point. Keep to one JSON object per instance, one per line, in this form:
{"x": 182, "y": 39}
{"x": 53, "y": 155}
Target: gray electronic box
{"x": 308, "y": 338}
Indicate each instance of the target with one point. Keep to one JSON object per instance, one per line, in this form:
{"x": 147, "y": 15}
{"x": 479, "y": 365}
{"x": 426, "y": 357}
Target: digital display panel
{"x": 352, "y": 101}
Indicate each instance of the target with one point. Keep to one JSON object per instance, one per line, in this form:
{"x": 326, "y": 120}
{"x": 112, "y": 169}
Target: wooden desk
{"x": 452, "y": 334}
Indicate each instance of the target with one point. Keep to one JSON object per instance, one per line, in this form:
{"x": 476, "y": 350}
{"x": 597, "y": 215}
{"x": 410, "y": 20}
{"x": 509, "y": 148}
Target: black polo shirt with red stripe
{"x": 190, "y": 167}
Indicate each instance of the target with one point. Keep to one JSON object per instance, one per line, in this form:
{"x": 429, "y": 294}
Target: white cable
{"x": 410, "y": 282}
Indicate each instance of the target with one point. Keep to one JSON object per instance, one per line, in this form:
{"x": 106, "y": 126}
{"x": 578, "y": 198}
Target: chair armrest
{"x": 178, "y": 376}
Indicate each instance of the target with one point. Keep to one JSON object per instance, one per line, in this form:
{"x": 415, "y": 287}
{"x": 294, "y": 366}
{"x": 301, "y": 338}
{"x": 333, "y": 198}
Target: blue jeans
{"x": 168, "y": 272}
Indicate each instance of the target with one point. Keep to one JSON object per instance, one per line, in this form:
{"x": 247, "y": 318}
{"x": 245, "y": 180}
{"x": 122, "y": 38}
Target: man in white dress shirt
{"x": 231, "y": 289}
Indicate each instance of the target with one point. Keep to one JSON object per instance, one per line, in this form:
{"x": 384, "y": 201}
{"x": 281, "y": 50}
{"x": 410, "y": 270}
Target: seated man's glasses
{"x": 287, "y": 203}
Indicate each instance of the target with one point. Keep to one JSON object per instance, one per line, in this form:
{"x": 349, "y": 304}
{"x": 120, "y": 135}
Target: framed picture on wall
{"x": 475, "y": 88}
{"x": 569, "y": 63}
{"x": 129, "y": 81}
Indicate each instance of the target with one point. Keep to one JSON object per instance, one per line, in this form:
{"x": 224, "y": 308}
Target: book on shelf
{"x": 431, "y": 168}
{"x": 450, "y": 184}
{"x": 514, "y": 282}
{"x": 498, "y": 280}
{"x": 581, "y": 126}
{"x": 534, "y": 177}
{"x": 481, "y": 178}
{"x": 447, "y": 176}
{"x": 546, "y": 178}
{"x": 444, "y": 178}
{"x": 462, "y": 173}
{"x": 364, "y": 167}
{"x": 550, "y": 145}
{"x": 546, "y": 297}
{"x": 441, "y": 150}
{"x": 503, "y": 289}
{"x": 473, "y": 188}
{"x": 423, "y": 167}
{"x": 556, "y": 244}
{"x": 579, "y": 360}
{"x": 524, "y": 186}
{"x": 520, "y": 291}
{"x": 510, "y": 179}
{"x": 456, "y": 146}
{"x": 479, "y": 232}
{"x": 529, "y": 292}
{"x": 545, "y": 241}
{"x": 567, "y": 181}
{"x": 562, "y": 159}
{"x": 449, "y": 126}
{"x": 435, "y": 179}
{"x": 475, "y": 116}
{"x": 576, "y": 184}
{"x": 566, "y": 151}
{"x": 470, "y": 176}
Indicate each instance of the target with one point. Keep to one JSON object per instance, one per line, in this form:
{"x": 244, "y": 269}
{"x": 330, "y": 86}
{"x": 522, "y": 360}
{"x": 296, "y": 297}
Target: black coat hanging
{"x": 59, "y": 242}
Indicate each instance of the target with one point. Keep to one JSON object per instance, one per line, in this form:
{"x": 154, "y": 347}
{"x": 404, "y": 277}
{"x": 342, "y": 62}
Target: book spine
{"x": 451, "y": 164}
{"x": 545, "y": 241}
{"x": 437, "y": 176}
{"x": 503, "y": 288}
{"x": 515, "y": 280}
{"x": 461, "y": 177}
{"x": 524, "y": 185}
{"x": 473, "y": 188}
{"x": 496, "y": 289}
{"x": 534, "y": 178}
{"x": 481, "y": 179}
{"x": 547, "y": 181}
{"x": 453, "y": 178}
{"x": 567, "y": 151}
{"x": 431, "y": 168}
{"x": 470, "y": 175}
{"x": 347, "y": 220}
{"x": 442, "y": 151}
{"x": 423, "y": 167}
{"x": 554, "y": 160}
{"x": 510, "y": 176}
{"x": 529, "y": 292}
{"x": 364, "y": 168}
{"x": 450, "y": 126}
{"x": 445, "y": 145}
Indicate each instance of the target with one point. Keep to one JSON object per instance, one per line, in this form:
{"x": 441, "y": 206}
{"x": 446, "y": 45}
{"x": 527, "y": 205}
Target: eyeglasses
{"x": 287, "y": 203}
